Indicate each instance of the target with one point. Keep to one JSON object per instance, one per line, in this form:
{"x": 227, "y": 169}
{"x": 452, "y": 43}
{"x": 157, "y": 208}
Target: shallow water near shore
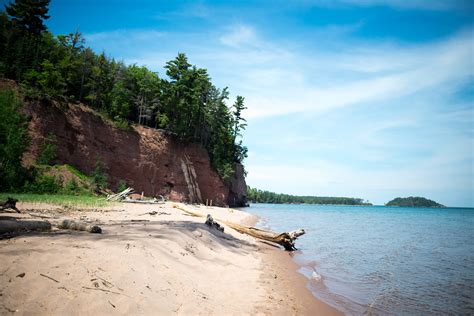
{"x": 382, "y": 260}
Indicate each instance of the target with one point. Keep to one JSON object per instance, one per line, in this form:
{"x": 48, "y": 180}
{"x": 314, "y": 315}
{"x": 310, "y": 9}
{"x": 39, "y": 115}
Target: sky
{"x": 357, "y": 98}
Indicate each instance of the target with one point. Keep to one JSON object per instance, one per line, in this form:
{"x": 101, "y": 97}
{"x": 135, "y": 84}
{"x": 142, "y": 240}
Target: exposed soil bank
{"x": 149, "y": 160}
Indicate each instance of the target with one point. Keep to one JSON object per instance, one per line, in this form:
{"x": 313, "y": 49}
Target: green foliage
{"x": 71, "y": 187}
{"x": 48, "y": 150}
{"x": 77, "y": 173}
{"x": 162, "y": 120}
{"x": 57, "y": 199}
{"x": 23, "y": 39}
{"x": 225, "y": 171}
{"x": 99, "y": 176}
{"x": 28, "y": 15}
{"x": 122, "y": 124}
{"x": 122, "y": 185}
{"x": 413, "y": 201}
{"x": 4, "y": 35}
{"x": 43, "y": 184}
{"x": 48, "y": 79}
{"x": 46, "y": 179}
{"x": 13, "y": 141}
{"x": 188, "y": 104}
{"x": 259, "y": 196}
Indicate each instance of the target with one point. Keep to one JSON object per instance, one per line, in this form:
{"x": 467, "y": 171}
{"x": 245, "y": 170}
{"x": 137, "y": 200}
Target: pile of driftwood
{"x": 120, "y": 196}
{"x": 124, "y": 196}
{"x": 286, "y": 239}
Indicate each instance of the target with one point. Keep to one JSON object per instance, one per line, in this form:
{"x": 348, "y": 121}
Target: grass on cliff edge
{"x": 57, "y": 199}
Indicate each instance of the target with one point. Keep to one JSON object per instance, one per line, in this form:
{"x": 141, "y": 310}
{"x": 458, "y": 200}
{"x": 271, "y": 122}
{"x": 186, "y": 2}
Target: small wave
{"x": 263, "y": 223}
{"x": 315, "y": 276}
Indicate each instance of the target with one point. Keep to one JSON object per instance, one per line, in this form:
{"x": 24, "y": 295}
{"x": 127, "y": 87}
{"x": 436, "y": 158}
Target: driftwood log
{"x": 151, "y": 201}
{"x": 286, "y": 239}
{"x": 9, "y": 204}
{"x": 12, "y": 226}
{"x": 75, "y": 225}
{"x": 119, "y": 196}
{"x": 211, "y": 223}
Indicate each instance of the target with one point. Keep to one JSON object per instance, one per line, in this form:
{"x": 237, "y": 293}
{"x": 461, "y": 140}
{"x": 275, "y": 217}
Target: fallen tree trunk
{"x": 74, "y": 225}
{"x": 152, "y": 201}
{"x": 11, "y": 226}
{"x": 286, "y": 239}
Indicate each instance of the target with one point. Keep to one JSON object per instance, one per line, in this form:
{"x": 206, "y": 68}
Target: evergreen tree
{"x": 239, "y": 151}
{"x": 26, "y": 20}
{"x": 13, "y": 141}
{"x": 28, "y": 15}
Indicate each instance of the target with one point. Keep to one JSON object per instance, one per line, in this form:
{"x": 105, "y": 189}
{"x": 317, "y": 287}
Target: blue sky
{"x": 363, "y": 98}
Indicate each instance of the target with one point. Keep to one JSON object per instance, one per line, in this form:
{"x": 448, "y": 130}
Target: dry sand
{"x": 150, "y": 265}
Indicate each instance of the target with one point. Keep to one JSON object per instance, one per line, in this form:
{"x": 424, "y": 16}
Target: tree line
{"x": 413, "y": 201}
{"x": 260, "y": 196}
{"x": 63, "y": 68}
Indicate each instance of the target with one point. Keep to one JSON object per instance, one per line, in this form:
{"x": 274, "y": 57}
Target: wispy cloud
{"x": 359, "y": 118}
{"x": 273, "y": 76}
{"x": 117, "y": 41}
{"x": 239, "y": 35}
{"x": 358, "y": 73}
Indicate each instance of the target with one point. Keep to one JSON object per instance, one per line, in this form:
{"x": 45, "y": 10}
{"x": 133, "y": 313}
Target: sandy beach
{"x": 169, "y": 263}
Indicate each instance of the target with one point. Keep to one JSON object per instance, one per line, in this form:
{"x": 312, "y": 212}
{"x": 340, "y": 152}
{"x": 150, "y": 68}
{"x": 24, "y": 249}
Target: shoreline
{"x": 288, "y": 288}
{"x": 163, "y": 264}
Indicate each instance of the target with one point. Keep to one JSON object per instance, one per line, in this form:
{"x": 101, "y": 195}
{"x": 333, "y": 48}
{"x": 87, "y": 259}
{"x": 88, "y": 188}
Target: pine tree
{"x": 28, "y": 15}
{"x": 26, "y": 18}
{"x": 239, "y": 151}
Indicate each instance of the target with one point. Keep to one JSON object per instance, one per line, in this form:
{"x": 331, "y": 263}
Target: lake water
{"x": 382, "y": 260}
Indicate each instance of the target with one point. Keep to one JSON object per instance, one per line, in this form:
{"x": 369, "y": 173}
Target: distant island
{"x": 260, "y": 196}
{"x": 413, "y": 201}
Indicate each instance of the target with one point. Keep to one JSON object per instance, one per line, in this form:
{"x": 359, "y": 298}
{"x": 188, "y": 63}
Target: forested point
{"x": 259, "y": 196}
{"x": 62, "y": 68}
{"x": 413, "y": 201}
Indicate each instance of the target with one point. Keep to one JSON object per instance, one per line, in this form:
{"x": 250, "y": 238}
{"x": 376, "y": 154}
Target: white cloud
{"x": 278, "y": 79}
{"x": 239, "y": 35}
{"x": 291, "y": 82}
{"x": 417, "y": 150}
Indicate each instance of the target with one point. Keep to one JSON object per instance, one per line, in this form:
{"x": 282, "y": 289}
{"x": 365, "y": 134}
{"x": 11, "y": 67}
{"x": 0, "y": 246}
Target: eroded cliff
{"x": 149, "y": 160}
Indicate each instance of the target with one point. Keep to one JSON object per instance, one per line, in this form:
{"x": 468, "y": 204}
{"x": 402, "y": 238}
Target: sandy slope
{"x": 151, "y": 265}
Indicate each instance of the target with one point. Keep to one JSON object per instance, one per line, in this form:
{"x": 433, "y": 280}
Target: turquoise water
{"x": 383, "y": 260}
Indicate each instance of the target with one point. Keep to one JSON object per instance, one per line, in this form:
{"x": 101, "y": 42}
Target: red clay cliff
{"x": 149, "y": 160}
